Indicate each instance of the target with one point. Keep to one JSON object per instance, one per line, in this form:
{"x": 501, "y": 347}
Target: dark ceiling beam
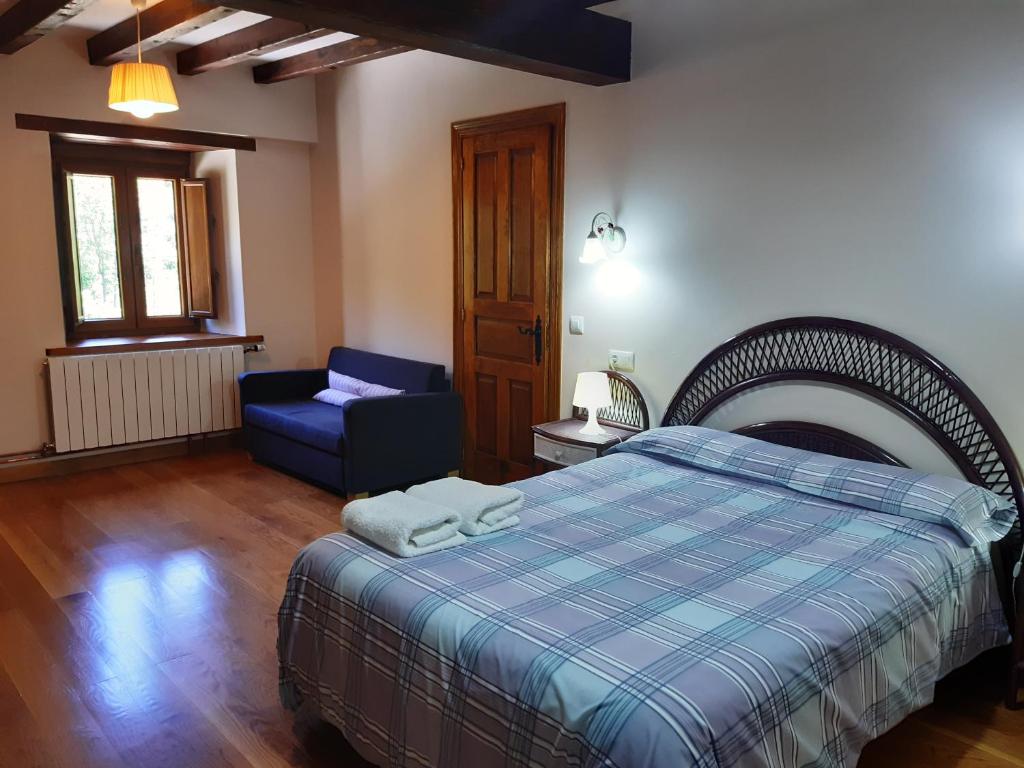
{"x": 531, "y": 35}
{"x": 343, "y": 54}
{"x": 24, "y": 21}
{"x": 131, "y": 134}
{"x": 260, "y": 38}
{"x": 490, "y": 6}
{"x": 578, "y": 4}
{"x": 161, "y": 23}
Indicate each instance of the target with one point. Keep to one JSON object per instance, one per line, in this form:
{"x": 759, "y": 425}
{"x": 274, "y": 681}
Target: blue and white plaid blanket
{"x": 647, "y": 612}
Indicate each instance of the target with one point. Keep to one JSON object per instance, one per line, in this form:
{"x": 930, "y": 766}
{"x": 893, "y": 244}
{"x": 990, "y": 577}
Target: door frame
{"x": 554, "y": 116}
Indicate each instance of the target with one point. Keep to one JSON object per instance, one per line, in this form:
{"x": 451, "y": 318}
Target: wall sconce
{"x": 604, "y": 238}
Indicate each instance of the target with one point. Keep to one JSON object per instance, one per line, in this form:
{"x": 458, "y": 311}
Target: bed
{"x": 696, "y": 598}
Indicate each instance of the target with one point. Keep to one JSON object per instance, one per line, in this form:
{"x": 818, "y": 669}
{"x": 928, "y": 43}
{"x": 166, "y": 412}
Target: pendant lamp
{"x": 139, "y": 88}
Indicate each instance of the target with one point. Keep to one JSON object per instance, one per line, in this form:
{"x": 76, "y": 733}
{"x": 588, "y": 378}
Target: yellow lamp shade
{"x": 142, "y": 89}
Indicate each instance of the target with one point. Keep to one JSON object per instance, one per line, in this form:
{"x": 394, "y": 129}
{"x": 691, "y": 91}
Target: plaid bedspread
{"x": 644, "y": 613}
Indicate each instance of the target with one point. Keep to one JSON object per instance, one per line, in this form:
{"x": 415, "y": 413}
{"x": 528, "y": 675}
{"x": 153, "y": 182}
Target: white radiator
{"x": 104, "y": 400}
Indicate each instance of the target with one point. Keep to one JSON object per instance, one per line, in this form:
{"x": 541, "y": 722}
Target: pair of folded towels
{"x": 432, "y": 516}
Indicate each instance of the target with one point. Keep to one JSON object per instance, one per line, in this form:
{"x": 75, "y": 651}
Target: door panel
{"x": 507, "y": 287}
{"x": 501, "y": 340}
{"x": 521, "y": 236}
{"x": 487, "y": 414}
{"x": 485, "y": 223}
{"x": 520, "y": 408}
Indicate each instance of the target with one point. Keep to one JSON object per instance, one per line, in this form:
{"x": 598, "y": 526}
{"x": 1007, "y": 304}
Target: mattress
{"x": 645, "y": 613}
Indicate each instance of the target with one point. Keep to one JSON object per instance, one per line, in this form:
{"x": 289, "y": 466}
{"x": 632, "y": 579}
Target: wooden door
{"x": 508, "y": 273}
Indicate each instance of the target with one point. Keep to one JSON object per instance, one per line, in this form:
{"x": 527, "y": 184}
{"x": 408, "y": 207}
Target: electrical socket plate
{"x": 576, "y": 325}
{"x": 621, "y": 360}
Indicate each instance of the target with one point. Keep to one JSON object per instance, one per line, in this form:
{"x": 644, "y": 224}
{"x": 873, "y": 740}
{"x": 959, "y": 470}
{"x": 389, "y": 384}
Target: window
{"x": 128, "y": 221}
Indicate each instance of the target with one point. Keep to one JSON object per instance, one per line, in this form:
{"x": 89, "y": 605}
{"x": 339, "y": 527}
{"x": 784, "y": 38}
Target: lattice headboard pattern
{"x": 868, "y": 359}
{"x": 628, "y": 408}
{"x": 892, "y": 370}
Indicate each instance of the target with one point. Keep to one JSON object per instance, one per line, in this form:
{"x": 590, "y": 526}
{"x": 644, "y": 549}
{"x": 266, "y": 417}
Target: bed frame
{"x": 887, "y": 368}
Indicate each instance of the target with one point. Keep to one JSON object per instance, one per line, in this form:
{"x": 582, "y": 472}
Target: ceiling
{"x": 285, "y": 39}
{"x": 102, "y": 14}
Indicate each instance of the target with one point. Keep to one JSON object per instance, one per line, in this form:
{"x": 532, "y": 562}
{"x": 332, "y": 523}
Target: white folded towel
{"x": 403, "y": 525}
{"x": 482, "y": 508}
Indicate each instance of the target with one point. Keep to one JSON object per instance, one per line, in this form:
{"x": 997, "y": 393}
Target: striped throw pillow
{"x": 335, "y": 397}
{"x": 359, "y": 387}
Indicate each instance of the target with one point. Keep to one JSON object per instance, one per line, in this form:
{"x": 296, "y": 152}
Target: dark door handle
{"x": 537, "y": 331}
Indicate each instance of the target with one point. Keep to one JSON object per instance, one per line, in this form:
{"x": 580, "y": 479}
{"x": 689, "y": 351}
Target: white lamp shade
{"x": 592, "y": 391}
{"x": 593, "y": 250}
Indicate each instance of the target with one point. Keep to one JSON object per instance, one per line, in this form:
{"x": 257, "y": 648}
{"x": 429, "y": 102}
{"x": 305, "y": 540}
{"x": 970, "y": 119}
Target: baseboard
{"x": 84, "y": 461}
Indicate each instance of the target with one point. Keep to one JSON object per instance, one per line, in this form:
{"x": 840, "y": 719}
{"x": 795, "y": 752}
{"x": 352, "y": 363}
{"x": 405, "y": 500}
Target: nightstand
{"x": 560, "y": 444}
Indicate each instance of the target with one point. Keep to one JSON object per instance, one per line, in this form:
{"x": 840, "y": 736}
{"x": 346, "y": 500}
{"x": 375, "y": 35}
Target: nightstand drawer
{"x": 561, "y": 453}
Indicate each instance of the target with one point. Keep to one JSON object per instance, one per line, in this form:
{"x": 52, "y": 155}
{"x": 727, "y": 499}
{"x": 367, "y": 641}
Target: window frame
{"x": 124, "y": 165}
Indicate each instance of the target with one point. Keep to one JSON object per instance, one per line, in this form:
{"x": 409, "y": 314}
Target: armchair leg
{"x": 454, "y": 473}
{"x": 354, "y": 496}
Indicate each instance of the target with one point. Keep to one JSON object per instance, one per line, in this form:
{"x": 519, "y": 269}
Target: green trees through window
{"x": 159, "y": 237}
{"x": 123, "y": 239}
{"x": 98, "y": 278}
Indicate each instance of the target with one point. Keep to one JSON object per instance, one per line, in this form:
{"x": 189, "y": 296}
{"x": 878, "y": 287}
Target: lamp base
{"x": 592, "y": 427}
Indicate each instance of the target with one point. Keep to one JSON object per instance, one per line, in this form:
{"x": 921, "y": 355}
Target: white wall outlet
{"x": 621, "y": 360}
{"x": 576, "y": 325}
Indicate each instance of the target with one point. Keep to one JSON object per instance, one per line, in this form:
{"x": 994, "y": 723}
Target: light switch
{"x": 576, "y": 325}
{"x": 621, "y": 360}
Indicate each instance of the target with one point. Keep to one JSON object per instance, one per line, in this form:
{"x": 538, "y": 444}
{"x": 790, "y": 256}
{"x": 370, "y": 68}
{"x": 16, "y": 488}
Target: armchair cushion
{"x": 270, "y": 386}
{"x": 311, "y": 422}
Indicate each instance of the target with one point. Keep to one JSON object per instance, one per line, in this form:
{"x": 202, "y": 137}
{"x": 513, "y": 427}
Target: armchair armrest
{"x": 268, "y": 386}
{"x": 391, "y": 441}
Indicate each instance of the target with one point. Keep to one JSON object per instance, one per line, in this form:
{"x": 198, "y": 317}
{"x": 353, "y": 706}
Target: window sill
{"x": 119, "y": 344}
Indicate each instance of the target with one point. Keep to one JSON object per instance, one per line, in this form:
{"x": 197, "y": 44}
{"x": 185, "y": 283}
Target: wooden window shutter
{"x": 195, "y": 236}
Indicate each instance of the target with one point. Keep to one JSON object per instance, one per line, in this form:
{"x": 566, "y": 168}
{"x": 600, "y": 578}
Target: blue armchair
{"x": 369, "y": 444}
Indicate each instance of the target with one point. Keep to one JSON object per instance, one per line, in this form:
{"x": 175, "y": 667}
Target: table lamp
{"x": 592, "y": 392}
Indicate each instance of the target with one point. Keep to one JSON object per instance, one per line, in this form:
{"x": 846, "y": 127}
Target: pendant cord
{"x": 138, "y": 33}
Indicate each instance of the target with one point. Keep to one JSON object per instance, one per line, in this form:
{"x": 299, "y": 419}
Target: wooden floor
{"x": 137, "y": 628}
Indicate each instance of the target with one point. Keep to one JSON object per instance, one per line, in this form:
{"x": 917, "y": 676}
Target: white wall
{"x": 221, "y": 168}
{"x": 856, "y": 159}
{"x": 264, "y": 257}
{"x": 53, "y": 77}
{"x": 275, "y": 211}
{"x": 326, "y": 219}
